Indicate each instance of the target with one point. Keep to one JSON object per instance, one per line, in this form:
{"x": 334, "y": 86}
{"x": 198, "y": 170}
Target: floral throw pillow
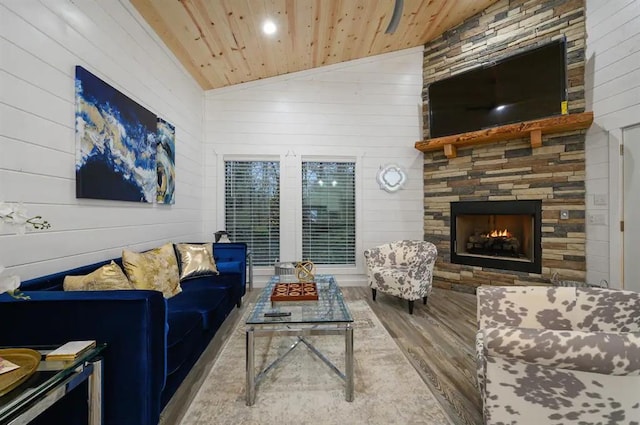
{"x": 156, "y": 269}
{"x": 106, "y": 278}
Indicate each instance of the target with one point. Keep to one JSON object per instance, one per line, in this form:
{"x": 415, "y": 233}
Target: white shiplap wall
{"x": 367, "y": 109}
{"x": 40, "y": 44}
{"x": 613, "y": 93}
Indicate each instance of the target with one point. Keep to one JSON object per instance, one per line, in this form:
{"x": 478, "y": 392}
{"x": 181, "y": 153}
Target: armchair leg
{"x": 373, "y": 293}
{"x": 424, "y": 300}
{"x": 410, "y": 307}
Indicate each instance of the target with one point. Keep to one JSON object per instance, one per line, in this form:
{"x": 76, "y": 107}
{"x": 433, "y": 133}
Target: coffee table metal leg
{"x": 349, "y": 363}
{"x": 95, "y": 394}
{"x": 251, "y": 372}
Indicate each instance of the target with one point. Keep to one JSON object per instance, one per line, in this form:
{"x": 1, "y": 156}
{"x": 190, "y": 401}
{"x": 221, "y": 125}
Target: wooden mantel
{"x": 533, "y": 129}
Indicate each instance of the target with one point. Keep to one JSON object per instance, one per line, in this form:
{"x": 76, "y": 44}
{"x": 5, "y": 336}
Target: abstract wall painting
{"x": 115, "y": 143}
{"x": 166, "y": 160}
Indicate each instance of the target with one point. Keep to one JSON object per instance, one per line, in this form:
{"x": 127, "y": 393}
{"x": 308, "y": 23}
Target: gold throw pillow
{"x": 106, "y": 278}
{"x": 156, "y": 269}
{"x": 195, "y": 260}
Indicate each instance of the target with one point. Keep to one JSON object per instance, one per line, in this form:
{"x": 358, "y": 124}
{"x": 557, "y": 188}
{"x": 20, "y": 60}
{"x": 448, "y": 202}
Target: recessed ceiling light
{"x": 269, "y": 27}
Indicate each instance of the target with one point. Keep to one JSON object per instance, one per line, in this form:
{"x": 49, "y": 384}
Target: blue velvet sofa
{"x": 152, "y": 342}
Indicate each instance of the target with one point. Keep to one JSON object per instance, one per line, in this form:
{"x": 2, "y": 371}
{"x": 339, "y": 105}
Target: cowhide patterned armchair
{"x": 402, "y": 268}
{"x": 558, "y": 355}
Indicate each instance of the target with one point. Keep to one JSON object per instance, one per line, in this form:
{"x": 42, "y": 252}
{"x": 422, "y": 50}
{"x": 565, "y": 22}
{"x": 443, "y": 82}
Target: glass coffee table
{"x": 327, "y": 316}
{"x": 52, "y": 380}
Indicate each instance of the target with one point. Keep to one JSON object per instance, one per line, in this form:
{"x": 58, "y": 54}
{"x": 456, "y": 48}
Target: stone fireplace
{"x": 497, "y": 234}
{"x": 550, "y": 171}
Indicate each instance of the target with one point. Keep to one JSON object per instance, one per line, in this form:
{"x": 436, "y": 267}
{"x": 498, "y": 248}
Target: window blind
{"x": 252, "y": 207}
{"x": 328, "y": 212}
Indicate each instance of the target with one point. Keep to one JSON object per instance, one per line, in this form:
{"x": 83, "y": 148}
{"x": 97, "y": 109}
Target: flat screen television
{"x": 525, "y": 86}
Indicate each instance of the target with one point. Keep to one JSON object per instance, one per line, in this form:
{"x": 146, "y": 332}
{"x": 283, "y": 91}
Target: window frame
{"x": 335, "y": 269}
{"x": 291, "y": 206}
{"x": 222, "y": 210}
{"x": 341, "y": 160}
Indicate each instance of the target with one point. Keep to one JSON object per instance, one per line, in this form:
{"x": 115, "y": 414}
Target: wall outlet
{"x": 564, "y": 214}
{"x": 600, "y": 199}
{"x": 597, "y": 219}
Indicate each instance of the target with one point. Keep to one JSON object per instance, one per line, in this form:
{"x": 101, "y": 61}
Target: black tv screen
{"x": 525, "y": 86}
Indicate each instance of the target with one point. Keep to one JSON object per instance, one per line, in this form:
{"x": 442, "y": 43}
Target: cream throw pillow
{"x": 156, "y": 269}
{"x": 106, "y": 278}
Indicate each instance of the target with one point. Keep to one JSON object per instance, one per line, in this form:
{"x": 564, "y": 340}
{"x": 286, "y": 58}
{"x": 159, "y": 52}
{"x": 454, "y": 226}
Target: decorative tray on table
{"x": 27, "y": 361}
{"x": 292, "y": 292}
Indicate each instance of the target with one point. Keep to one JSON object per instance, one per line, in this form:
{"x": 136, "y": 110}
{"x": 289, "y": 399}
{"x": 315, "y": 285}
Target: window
{"x": 328, "y": 212}
{"x": 252, "y": 207}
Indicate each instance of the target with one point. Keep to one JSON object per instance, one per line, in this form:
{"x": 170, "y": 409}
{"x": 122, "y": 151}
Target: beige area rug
{"x": 303, "y": 390}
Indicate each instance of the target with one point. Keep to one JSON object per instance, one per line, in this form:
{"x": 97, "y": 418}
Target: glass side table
{"x": 52, "y": 381}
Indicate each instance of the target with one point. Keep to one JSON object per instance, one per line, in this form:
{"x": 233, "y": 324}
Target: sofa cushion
{"x": 230, "y": 281}
{"x": 195, "y": 260}
{"x": 185, "y": 330}
{"x": 200, "y": 296}
{"x": 108, "y": 277}
{"x": 156, "y": 269}
{"x": 230, "y": 267}
{"x": 182, "y": 323}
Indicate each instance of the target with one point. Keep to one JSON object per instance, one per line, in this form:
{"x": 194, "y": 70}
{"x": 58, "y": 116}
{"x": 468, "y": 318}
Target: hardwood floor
{"x": 438, "y": 340}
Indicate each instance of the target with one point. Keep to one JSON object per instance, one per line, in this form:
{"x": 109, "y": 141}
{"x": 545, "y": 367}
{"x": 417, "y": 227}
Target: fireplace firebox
{"x": 497, "y": 234}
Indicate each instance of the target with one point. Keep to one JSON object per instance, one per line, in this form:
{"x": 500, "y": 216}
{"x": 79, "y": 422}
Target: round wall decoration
{"x": 391, "y": 177}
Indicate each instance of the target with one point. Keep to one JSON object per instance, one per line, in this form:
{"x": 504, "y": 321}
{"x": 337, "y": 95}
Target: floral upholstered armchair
{"x": 402, "y": 268}
{"x": 558, "y": 355}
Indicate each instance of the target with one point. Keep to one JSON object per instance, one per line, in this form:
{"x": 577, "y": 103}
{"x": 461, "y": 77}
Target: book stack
{"x": 70, "y": 351}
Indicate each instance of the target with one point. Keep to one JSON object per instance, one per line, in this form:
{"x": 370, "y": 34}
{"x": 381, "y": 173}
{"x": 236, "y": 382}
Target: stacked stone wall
{"x": 511, "y": 170}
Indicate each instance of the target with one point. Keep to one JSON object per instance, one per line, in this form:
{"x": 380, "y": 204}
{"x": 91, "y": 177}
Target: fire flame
{"x": 500, "y": 234}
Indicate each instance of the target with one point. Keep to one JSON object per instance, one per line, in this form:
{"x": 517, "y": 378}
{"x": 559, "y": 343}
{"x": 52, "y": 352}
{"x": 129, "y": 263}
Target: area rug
{"x": 303, "y": 390}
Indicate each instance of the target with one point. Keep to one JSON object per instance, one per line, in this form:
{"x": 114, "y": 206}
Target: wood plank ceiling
{"x": 221, "y": 42}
